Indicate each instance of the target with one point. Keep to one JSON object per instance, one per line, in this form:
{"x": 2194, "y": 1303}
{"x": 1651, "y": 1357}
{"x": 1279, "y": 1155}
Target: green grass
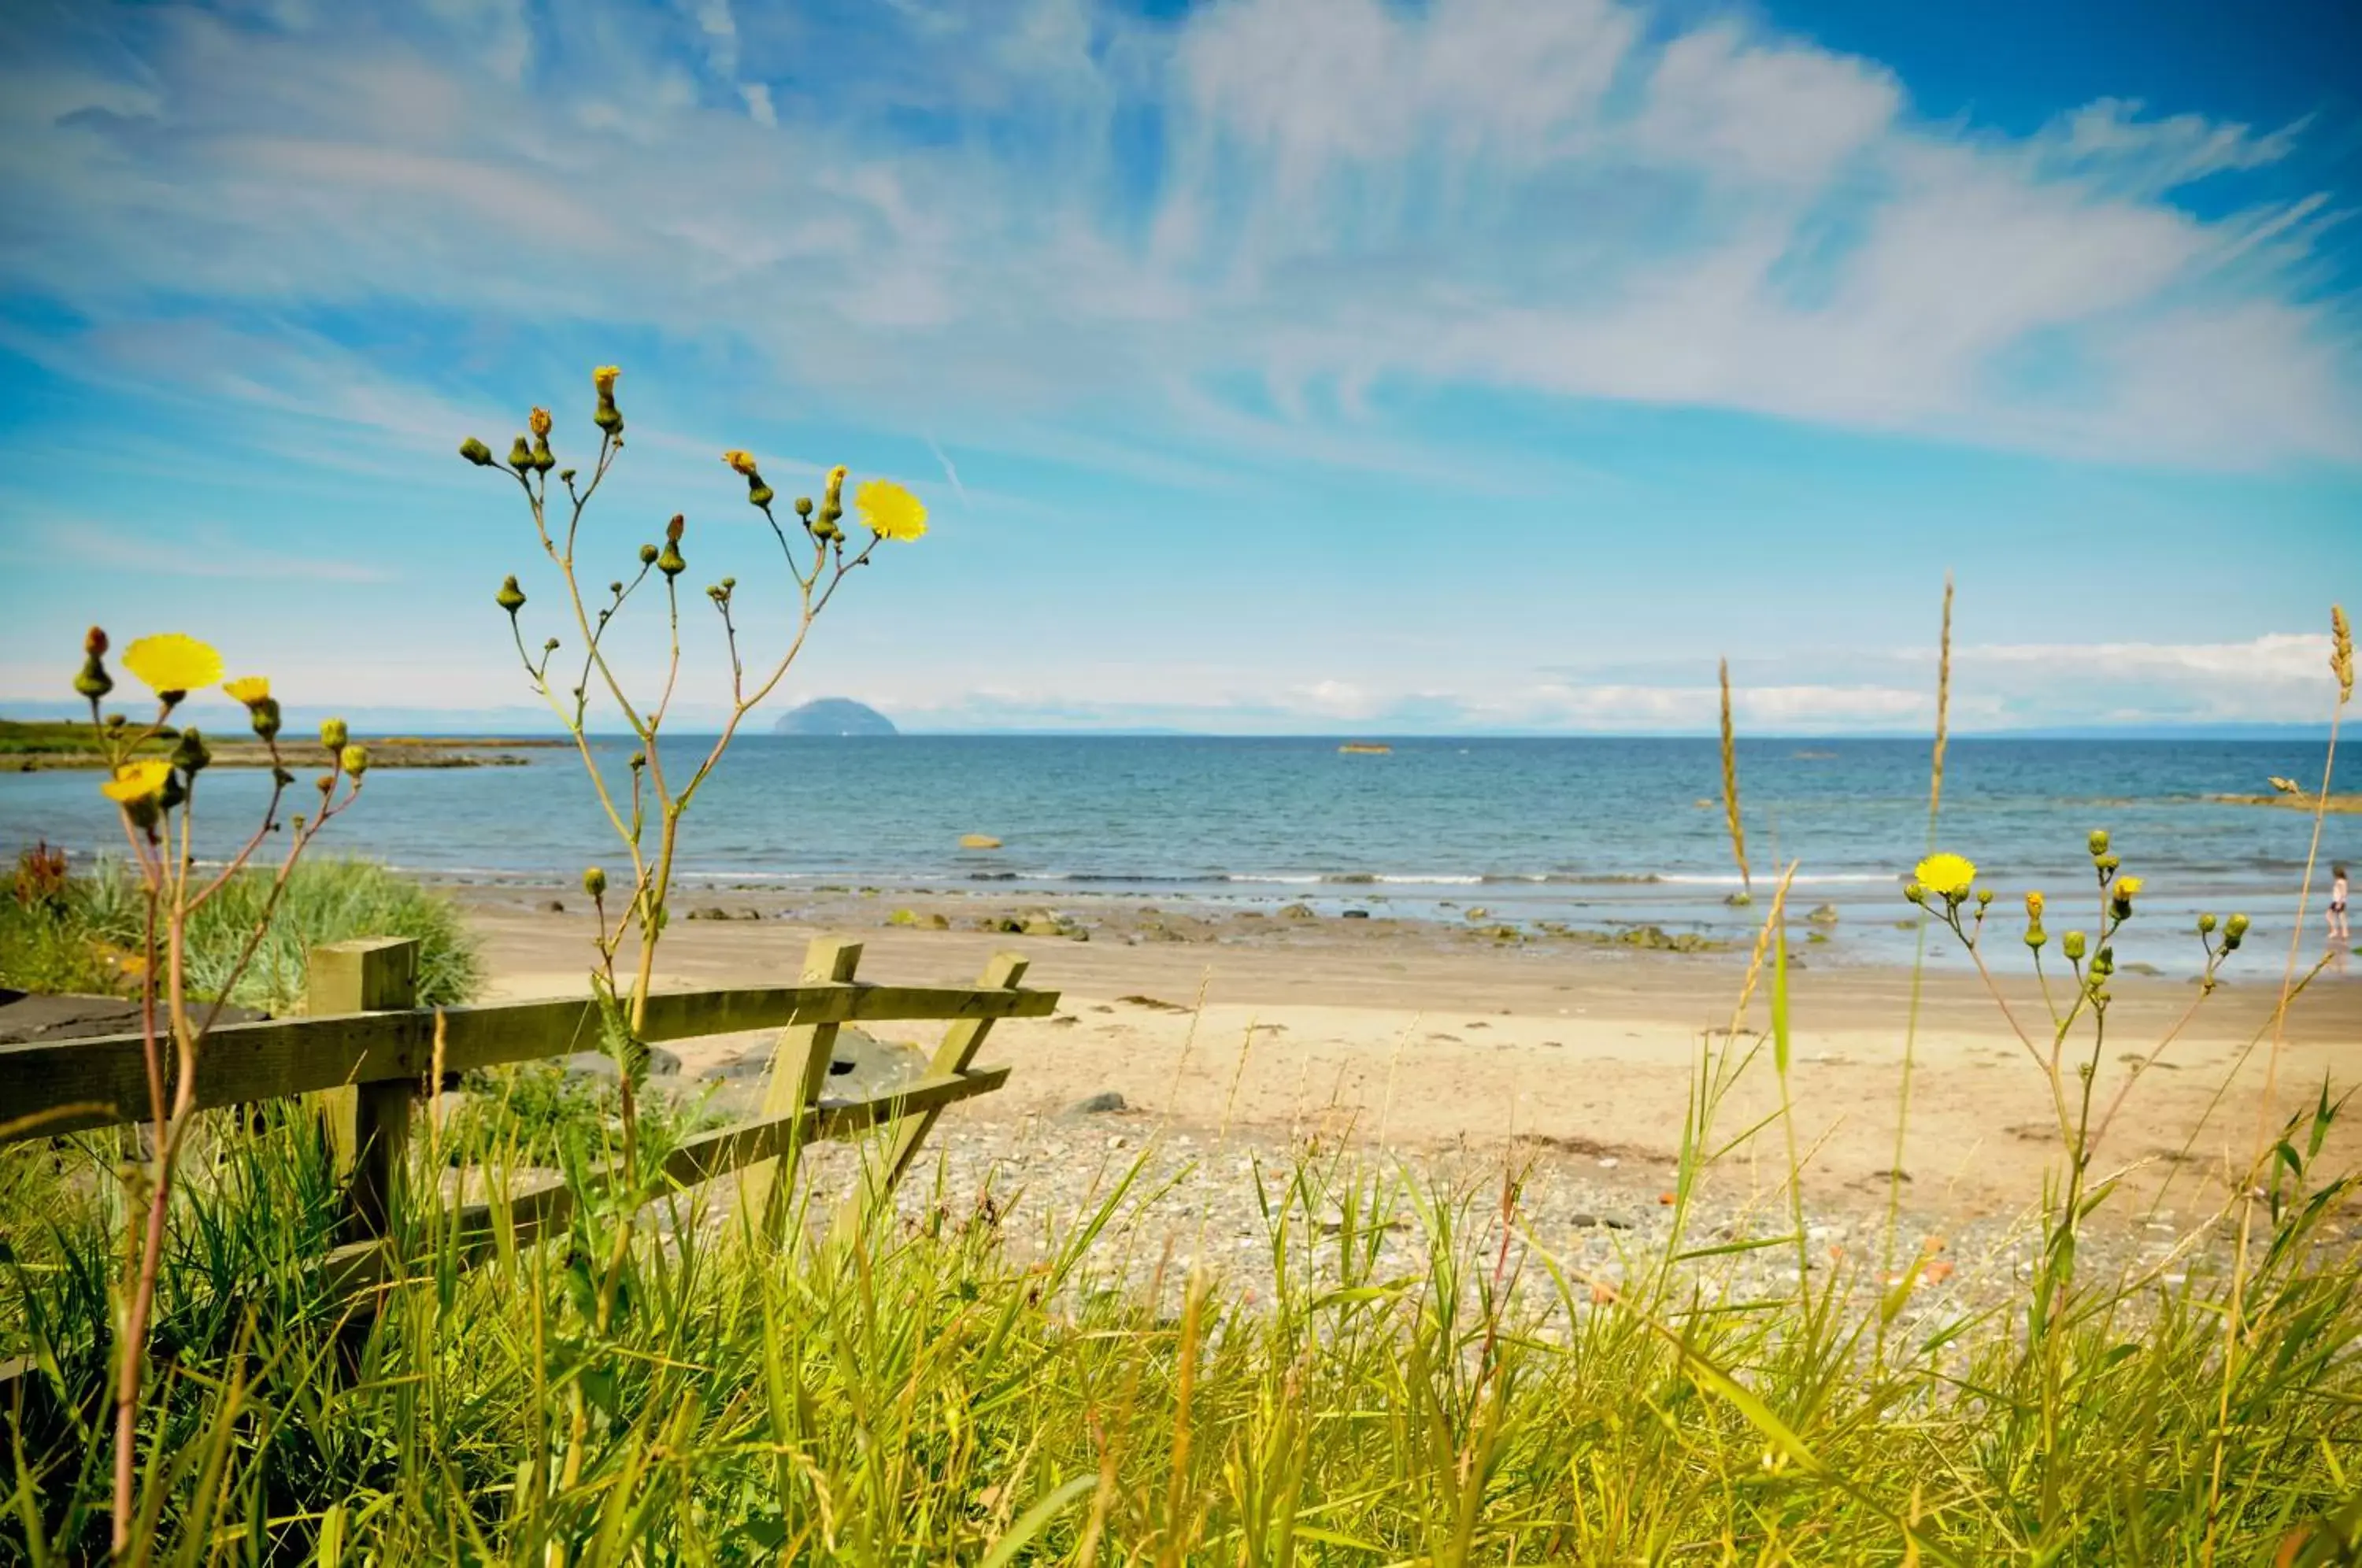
{"x": 920, "y": 1398}
{"x": 34, "y": 737}
{"x": 76, "y": 943}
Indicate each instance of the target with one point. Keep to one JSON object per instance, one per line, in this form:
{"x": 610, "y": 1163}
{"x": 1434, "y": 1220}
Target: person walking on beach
{"x": 2337, "y": 928}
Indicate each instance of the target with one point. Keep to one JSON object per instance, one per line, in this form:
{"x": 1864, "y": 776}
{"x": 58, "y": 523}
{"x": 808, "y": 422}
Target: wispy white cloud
{"x": 198, "y": 550}
{"x": 1560, "y": 199}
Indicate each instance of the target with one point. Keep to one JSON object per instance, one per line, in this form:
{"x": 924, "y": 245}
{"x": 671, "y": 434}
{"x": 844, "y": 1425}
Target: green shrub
{"x": 77, "y": 943}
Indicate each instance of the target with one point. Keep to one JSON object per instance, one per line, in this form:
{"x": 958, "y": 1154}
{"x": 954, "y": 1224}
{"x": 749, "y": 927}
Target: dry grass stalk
{"x": 1943, "y": 712}
{"x": 1730, "y": 786}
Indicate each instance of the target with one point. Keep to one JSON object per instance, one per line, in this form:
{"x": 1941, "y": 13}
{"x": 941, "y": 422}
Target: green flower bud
{"x": 2107, "y": 863}
{"x": 1984, "y": 896}
{"x": 760, "y": 494}
{"x": 2072, "y": 945}
{"x": 191, "y": 755}
{"x": 647, "y": 554}
{"x": 354, "y": 759}
{"x": 2205, "y": 924}
{"x": 608, "y": 418}
{"x": 803, "y": 506}
{"x": 550, "y": 647}
{"x": 264, "y": 715}
{"x": 2104, "y": 961}
{"x": 2234, "y": 929}
{"x": 566, "y": 476}
{"x": 520, "y": 456}
{"x": 729, "y": 585}
{"x": 332, "y": 734}
{"x": 671, "y": 563}
{"x": 543, "y": 461}
{"x": 281, "y": 777}
{"x": 2035, "y": 936}
{"x": 2099, "y": 842}
{"x": 616, "y": 588}
{"x": 594, "y": 881}
{"x": 639, "y": 759}
{"x": 93, "y": 682}
{"x": 511, "y": 598}
{"x": 476, "y": 452}
{"x": 1914, "y": 892}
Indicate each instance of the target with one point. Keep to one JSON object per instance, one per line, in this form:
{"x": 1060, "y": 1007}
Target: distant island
{"x": 834, "y": 716}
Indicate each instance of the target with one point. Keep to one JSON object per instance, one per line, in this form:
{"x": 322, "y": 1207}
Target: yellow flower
{"x": 890, "y": 511}
{"x": 173, "y": 663}
{"x": 603, "y": 378}
{"x": 248, "y": 688}
{"x": 539, "y": 422}
{"x": 744, "y": 462}
{"x": 136, "y": 781}
{"x": 2128, "y": 887}
{"x": 1951, "y": 875}
{"x": 2034, "y": 907}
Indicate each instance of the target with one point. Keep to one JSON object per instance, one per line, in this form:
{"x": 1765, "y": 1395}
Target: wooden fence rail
{"x": 364, "y": 1054}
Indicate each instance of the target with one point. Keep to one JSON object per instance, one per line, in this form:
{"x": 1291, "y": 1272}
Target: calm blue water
{"x": 1588, "y": 829}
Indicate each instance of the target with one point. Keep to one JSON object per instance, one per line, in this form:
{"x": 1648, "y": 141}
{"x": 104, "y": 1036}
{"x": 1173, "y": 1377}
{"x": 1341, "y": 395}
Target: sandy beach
{"x": 1418, "y": 1038}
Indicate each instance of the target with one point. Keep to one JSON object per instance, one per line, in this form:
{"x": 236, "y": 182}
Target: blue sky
{"x": 1268, "y": 364}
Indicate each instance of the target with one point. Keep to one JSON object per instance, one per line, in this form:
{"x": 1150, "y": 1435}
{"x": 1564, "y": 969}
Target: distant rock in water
{"x": 834, "y": 716}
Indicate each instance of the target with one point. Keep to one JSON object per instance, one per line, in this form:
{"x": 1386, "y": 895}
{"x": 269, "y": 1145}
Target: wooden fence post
{"x": 368, "y": 1124}
{"x": 799, "y": 1071}
{"x": 957, "y": 1051}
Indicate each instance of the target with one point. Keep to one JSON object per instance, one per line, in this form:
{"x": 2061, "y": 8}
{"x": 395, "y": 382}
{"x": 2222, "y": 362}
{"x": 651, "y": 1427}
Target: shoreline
{"x": 1425, "y": 1041}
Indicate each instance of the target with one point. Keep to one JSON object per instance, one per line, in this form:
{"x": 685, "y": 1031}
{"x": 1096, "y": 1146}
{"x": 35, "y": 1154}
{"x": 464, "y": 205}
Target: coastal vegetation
{"x": 81, "y": 934}
{"x": 38, "y": 743}
{"x": 1419, "y": 1377}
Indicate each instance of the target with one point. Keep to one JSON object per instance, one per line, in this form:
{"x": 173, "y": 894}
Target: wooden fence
{"x": 368, "y": 1054}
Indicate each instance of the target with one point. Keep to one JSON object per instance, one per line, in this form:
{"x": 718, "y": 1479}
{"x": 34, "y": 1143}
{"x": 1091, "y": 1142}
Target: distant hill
{"x": 834, "y": 716}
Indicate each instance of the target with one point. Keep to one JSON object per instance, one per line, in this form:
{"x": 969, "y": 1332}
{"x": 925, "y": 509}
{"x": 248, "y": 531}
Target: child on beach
{"x": 2337, "y": 930}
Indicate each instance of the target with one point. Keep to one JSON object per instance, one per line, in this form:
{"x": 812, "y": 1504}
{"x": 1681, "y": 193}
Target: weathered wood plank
{"x": 960, "y": 1044}
{"x": 799, "y": 1071}
{"x": 537, "y": 1208}
{"x": 368, "y": 1124}
{"x": 249, "y": 1062}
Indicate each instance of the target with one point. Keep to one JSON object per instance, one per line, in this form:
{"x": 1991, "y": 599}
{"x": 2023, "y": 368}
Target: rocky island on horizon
{"x": 834, "y": 716}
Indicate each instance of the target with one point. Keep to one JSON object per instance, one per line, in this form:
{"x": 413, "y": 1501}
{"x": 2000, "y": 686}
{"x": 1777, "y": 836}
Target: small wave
{"x": 1801, "y": 879}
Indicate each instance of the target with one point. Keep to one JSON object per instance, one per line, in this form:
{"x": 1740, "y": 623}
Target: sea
{"x": 1598, "y": 833}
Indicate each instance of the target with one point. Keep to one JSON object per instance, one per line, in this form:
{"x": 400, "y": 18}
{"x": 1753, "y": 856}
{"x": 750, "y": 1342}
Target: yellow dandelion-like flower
{"x": 2128, "y": 887}
{"x": 603, "y": 378}
{"x": 890, "y": 511}
{"x": 248, "y": 688}
{"x": 741, "y": 462}
{"x": 136, "y": 781}
{"x": 172, "y": 662}
{"x": 1951, "y": 875}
